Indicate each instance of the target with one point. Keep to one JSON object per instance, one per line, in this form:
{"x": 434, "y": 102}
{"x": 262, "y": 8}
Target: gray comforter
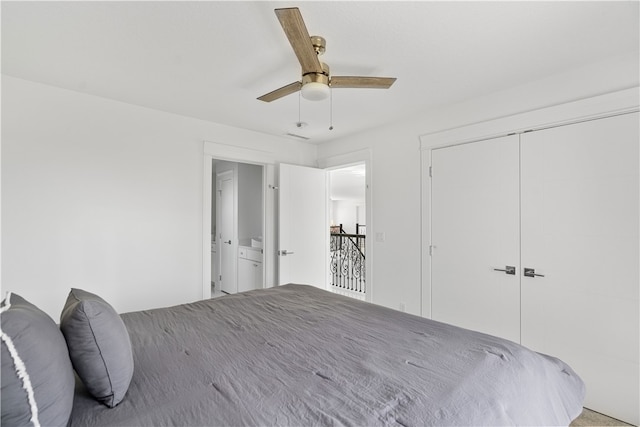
{"x": 296, "y": 355}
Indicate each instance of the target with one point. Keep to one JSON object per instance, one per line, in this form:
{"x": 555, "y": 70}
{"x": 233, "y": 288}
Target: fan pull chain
{"x": 330, "y": 108}
{"x": 299, "y": 123}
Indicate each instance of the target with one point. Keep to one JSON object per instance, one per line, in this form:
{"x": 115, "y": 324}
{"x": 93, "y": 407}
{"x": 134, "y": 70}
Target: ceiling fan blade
{"x": 283, "y": 91}
{"x": 293, "y": 26}
{"x": 362, "y": 82}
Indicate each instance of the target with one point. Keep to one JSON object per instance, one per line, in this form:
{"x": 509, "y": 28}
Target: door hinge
{"x": 220, "y": 277}
{"x": 431, "y": 247}
{"x": 430, "y": 171}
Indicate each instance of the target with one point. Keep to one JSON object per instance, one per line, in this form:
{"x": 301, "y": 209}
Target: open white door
{"x": 227, "y": 240}
{"x": 303, "y": 226}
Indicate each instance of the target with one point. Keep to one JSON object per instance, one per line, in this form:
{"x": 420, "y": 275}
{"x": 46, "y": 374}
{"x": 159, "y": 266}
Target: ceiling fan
{"x": 316, "y": 80}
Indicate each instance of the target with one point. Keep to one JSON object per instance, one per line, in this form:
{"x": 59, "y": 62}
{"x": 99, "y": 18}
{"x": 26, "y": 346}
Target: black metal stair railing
{"x": 347, "y": 260}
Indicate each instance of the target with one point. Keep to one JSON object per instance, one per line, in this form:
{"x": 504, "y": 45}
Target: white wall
{"x": 395, "y": 172}
{"x": 106, "y": 196}
{"x": 250, "y": 207}
{"x": 346, "y": 212}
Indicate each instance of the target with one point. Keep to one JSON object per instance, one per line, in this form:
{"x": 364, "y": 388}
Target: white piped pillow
{"x": 37, "y": 377}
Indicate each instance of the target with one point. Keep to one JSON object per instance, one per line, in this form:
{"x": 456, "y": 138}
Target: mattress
{"x": 296, "y": 355}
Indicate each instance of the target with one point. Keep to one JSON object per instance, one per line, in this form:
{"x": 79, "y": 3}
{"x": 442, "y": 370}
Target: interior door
{"x": 580, "y": 235}
{"x": 303, "y": 226}
{"x": 227, "y": 243}
{"x": 475, "y": 236}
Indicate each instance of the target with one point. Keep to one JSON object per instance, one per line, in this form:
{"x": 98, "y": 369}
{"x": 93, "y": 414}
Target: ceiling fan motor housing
{"x": 317, "y": 77}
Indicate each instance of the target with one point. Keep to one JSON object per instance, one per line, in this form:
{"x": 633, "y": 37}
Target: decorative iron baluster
{"x": 347, "y": 264}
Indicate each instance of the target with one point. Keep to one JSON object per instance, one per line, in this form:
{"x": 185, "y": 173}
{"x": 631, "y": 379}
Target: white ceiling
{"x": 210, "y": 60}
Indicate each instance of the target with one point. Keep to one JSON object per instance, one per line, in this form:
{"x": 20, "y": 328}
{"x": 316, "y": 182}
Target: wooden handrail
{"x": 359, "y": 236}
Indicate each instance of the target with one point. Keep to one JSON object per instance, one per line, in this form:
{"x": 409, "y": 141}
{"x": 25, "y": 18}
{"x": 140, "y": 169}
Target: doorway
{"x": 272, "y": 211}
{"x": 237, "y": 227}
{"x": 348, "y": 230}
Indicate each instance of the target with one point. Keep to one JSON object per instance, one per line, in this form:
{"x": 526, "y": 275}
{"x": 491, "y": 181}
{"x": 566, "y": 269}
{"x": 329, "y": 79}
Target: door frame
{"x": 233, "y": 153}
{"x": 350, "y": 159}
{"x": 620, "y": 102}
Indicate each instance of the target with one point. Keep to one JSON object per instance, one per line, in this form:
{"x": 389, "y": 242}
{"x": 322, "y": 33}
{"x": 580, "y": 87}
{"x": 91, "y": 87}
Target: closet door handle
{"x": 228, "y": 242}
{"x": 531, "y": 272}
{"x": 507, "y": 269}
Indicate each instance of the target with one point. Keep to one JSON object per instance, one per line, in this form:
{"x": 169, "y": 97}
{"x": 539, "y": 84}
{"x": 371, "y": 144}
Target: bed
{"x": 296, "y": 355}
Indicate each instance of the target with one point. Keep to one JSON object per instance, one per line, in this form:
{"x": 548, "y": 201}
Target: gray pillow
{"x": 37, "y": 377}
{"x": 99, "y": 346}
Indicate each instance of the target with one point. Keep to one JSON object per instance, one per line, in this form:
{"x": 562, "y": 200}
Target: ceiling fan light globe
{"x": 314, "y": 91}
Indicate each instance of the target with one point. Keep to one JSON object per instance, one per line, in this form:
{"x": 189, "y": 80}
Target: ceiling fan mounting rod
{"x": 319, "y": 44}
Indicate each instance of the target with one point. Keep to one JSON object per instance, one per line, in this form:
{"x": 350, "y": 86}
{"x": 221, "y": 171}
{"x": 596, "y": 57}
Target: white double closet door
{"x": 564, "y": 202}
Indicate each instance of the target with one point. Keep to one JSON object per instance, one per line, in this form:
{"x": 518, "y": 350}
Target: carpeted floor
{"x": 592, "y": 418}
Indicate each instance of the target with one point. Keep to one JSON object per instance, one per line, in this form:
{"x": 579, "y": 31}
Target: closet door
{"x": 475, "y": 232}
{"x": 580, "y": 234}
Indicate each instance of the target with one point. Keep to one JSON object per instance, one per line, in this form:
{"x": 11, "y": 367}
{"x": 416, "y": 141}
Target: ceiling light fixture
{"x": 315, "y": 91}
{"x": 315, "y": 86}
